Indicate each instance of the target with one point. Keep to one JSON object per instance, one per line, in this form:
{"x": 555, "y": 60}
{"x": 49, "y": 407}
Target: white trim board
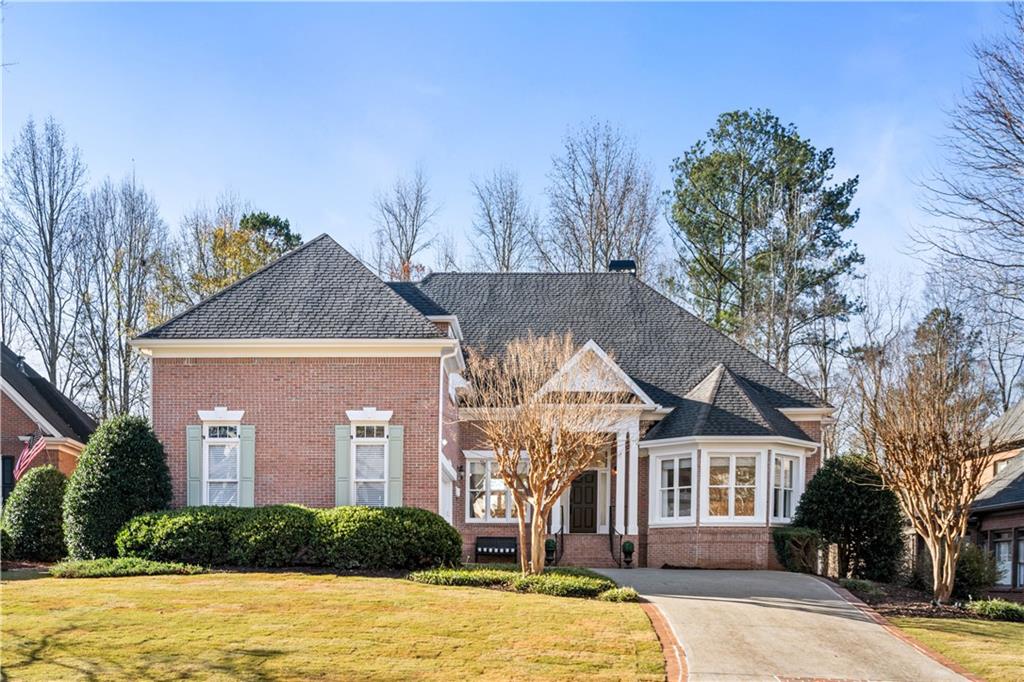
{"x": 269, "y": 348}
{"x": 27, "y": 408}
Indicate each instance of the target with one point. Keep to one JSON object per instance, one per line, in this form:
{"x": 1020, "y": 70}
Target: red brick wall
{"x": 14, "y": 423}
{"x": 295, "y": 403}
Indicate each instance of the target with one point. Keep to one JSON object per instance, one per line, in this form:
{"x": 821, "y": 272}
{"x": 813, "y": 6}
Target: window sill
{"x": 782, "y": 522}
{"x": 493, "y": 522}
{"x": 726, "y": 521}
{"x": 685, "y": 522}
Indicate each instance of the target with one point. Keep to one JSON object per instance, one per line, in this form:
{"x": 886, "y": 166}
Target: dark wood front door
{"x": 583, "y": 503}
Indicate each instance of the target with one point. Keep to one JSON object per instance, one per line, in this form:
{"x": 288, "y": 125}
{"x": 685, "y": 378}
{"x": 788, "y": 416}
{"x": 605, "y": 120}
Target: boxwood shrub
{"x": 348, "y": 538}
{"x": 998, "y": 609}
{"x": 556, "y": 582}
{"x": 120, "y": 567}
{"x": 796, "y": 548}
{"x": 33, "y": 518}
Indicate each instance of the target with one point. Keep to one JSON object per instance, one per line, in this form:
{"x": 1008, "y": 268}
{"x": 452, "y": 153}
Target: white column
{"x": 634, "y": 479}
{"x": 556, "y": 516}
{"x": 620, "y": 481}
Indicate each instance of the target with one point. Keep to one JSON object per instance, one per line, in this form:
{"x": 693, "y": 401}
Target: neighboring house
{"x": 997, "y": 515}
{"x": 35, "y": 412}
{"x": 312, "y": 381}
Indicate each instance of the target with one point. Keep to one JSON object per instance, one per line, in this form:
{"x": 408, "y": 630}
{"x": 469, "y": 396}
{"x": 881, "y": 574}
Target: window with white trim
{"x": 369, "y": 464}
{"x": 487, "y": 496}
{"x": 221, "y": 461}
{"x": 675, "y": 487}
{"x": 786, "y": 470}
{"x": 732, "y": 486}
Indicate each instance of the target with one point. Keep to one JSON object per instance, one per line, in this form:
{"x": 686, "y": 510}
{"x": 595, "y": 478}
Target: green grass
{"x": 303, "y": 626}
{"x": 992, "y": 650}
{"x": 119, "y": 568}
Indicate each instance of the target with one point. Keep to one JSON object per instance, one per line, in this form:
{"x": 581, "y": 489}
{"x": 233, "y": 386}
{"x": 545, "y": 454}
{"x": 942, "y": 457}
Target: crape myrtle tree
{"x": 924, "y": 411}
{"x": 544, "y": 422}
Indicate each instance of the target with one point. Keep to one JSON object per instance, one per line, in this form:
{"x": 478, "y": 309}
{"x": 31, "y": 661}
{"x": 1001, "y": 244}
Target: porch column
{"x": 634, "y": 479}
{"x": 620, "y": 481}
{"x": 556, "y": 516}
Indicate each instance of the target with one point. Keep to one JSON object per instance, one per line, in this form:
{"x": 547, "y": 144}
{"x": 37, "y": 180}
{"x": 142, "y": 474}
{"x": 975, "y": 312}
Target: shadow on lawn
{"x": 58, "y": 649}
{"x": 959, "y": 627}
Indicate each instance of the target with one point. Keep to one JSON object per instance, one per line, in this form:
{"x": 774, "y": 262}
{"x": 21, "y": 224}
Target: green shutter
{"x": 194, "y": 457}
{"x": 396, "y": 443}
{"x": 342, "y": 465}
{"x": 247, "y": 466}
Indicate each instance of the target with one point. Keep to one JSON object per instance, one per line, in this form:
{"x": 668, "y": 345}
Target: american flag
{"x": 28, "y": 454}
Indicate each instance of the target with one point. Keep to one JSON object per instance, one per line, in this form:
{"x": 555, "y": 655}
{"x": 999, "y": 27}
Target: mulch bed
{"x": 14, "y": 565}
{"x": 897, "y": 601}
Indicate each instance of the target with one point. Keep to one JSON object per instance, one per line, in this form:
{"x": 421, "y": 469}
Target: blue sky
{"x": 306, "y": 110}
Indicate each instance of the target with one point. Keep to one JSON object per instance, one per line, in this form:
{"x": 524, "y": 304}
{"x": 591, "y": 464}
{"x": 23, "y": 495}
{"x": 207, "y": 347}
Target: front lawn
{"x": 990, "y": 649}
{"x": 295, "y": 625}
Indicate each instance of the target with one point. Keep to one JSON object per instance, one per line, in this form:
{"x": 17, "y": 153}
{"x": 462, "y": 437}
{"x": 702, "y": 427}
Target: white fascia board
{"x": 248, "y": 348}
{"x": 369, "y": 414}
{"x": 27, "y": 408}
{"x": 807, "y": 414}
{"x": 592, "y": 346}
{"x": 725, "y": 441}
{"x": 452, "y": 320}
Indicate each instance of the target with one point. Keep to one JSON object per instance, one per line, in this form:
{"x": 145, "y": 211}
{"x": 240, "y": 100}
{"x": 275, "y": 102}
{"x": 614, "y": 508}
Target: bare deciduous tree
{"x": 602, "y": 202}
{"x": 123, "y": 232}
{"x": 924, "y": 428}
{"x": 403, "y": 216}
{"x": 9, "y": 303}
{"x": 980, "y": 198}
{"x": 504, "y": 222}
{"x": 544, "y": 424}
{"x": 44, "y": 179}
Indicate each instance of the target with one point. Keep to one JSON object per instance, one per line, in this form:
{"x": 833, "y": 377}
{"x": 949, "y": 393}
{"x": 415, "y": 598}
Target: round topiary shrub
{"x": 385, "y": 538}
{"x": 122, "y": 473}
{"x": 33, "y": 519}
{"x": 846, "y": 503}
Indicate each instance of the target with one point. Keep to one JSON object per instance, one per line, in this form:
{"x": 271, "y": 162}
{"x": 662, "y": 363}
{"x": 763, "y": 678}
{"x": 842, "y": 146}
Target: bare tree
{"x": 602, "y": 203}
{"x": 446, "y": 253}
{"x": 123, "y": 232}
{"x": 403, "y": 216}
{"x": 503, "y": 224}
{"x": 924, "y": 428}
{"x": 980, "y": 199}
{"x": 44, "y": 179}
{"x": 543, "y": 422}
{"x": 9, "y": 302}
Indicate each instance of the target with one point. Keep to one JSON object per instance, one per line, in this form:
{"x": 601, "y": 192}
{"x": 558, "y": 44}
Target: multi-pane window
{"x": 488, "y": 495}
{"x": 1002, "y": 548}
{"x": 1020, "y": 563}
{"x": 675, "y": 487}
{"x": 220, "y": 466}
{"x": 783, "y": 496}
{"x": 369, "y": 454}
{"x": 732, "y": 485}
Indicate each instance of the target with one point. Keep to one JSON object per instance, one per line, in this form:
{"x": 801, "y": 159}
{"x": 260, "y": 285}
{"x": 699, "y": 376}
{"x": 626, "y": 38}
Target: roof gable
{"x": 58, "y": 411}
{"x": 599, "y": 374}
{"x": 317, "y": 291}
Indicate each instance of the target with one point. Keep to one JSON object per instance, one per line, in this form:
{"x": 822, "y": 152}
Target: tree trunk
{"x": 538, "y": 535}
{"x": 524, "y": 562}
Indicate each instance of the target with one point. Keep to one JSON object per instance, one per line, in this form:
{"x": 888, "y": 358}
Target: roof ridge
{"x": 233, "y": 285}
{"x": 746, "y": 391}
{"x": 705, "y": 408}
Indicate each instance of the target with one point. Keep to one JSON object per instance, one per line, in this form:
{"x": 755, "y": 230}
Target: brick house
{"x": 35, "y": 412}
{"x": 312, "y": 381}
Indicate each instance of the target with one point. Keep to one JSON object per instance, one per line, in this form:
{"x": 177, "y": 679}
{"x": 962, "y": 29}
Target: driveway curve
{"x": 771, "y": 625}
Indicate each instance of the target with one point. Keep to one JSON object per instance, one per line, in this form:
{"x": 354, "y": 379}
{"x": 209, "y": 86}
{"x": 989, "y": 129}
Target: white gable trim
{"x": 221, "y": 414}
{"x": 293, "y": 348}
{"x": 591, "y": 346}
{"x": 369, "y": 414}
{"x": 27, "y": 408}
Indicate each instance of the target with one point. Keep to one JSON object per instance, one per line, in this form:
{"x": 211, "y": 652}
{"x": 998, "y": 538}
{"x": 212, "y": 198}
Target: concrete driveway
{"x": 770, "y": 625}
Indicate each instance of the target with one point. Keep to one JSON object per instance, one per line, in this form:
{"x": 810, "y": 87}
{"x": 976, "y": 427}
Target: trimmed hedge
{"x": 556, "y": 582}
{"x": 348, "y": 538}
{"x": 797, "y": 548}
{"x": 33, "y": 520}
{"x": 122, "y": 473}
{"x": 619, "y": 594}
{"x": 998, "y": 609}
{"x": 118, "y": 568}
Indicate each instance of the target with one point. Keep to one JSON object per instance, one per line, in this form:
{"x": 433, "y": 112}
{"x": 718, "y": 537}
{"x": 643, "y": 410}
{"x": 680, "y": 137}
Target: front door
{"x": 583, "y": 503}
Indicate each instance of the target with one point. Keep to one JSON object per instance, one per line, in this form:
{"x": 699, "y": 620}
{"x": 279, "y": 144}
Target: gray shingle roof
{"x": 1009, "y": 428}
{"x": 663, "y": 348}
{"x": 317, "y": 291}
{"x": 1005, "y": 490}
{"x": 55, "y": 407}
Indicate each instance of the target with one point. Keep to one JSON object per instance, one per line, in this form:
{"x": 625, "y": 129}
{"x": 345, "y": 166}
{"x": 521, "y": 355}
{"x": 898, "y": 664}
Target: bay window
{"x": 675, "y": 487}
{"x": 221, "y": 450}
{"x": 784, "y": 496}
{"x": 732, "y": 485}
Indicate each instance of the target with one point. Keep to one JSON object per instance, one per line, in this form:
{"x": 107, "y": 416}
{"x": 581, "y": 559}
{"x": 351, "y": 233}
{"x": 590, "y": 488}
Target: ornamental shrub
{"x": 122, "y": 473}
{"x": 349, "y": 538}
{"x": 976, "y": 572}
{"x": 556, "y": 582}
{"x": 846, "y": 503}
{"x": 32, "y": 519}
{"x": 797, "y": 548}
{"x": 119, "y": 568}
{"x": 998, "y": 609}
{"x": 619, "y": 594}
{"x": 560, "y": 585}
